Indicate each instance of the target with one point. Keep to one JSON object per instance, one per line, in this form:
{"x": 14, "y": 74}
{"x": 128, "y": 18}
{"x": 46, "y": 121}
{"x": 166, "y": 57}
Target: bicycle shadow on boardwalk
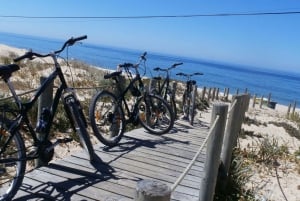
{"x": 64, "y": 182}
{"x": 142, "y": 138}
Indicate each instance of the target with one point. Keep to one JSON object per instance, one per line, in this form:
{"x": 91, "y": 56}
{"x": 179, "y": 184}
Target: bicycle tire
{"x": 192, "y": 111}
{"x": 171, "y": 101}
{"x": 155, "y": 114}
{"x": 107, "y": 118}
{"x": 169, "y": 98}
{"x": 80, "y": 127}
{"x": 186, "y": 105}
{"x": 11, "y": 172}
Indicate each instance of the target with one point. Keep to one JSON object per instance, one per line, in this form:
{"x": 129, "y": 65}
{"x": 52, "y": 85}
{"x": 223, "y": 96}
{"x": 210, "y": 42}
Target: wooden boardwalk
{"x": 139, "y": 156}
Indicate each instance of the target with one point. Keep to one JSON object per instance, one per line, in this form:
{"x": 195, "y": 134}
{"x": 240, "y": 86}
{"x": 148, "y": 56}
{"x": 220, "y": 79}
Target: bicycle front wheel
{"x": 155, "y": 114}
{"x": 107, "y": 118}
{"x": 80, "y": 126}
{"x": 12, "y": 162}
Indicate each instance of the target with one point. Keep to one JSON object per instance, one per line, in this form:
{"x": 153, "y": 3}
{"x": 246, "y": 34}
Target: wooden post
{"x": 209, "y": 94}
{"x": 289, "y": 109}
{"x": 45, "y": 101}
{"x": 269, "y": 99}
{"x": 224, "y": 94}
{"x": 152, "y": 84}
{"x": 217, "y": 93}
{"x": 149, "y": 190}
{"x": 214, "y": 146}
{"x": 227, "y": 94}
{"x": 294, "y": 108}
{"x": 247, "y": 98}
{"x": 254, "y": 101}
{"x": 232, "y": 130}
{"x": 174, "y": 88}
{"x": 203, "y": 93}
{"x": 261, "y": 101}
{"x": 213, "y": 94}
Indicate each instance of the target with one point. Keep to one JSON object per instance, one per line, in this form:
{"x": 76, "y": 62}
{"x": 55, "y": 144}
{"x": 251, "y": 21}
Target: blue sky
{"x": 268, "y": 41}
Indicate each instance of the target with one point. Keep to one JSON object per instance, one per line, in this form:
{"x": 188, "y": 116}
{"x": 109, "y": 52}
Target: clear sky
{"x": 268, "y": 41}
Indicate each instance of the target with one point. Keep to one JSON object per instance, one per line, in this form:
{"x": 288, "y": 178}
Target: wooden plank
{"x": 139, "y": 156}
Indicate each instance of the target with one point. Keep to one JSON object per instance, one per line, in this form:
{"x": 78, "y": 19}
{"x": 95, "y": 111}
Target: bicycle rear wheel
{"x": 107, "y": 118}
{"x": 171, "y": 101}
{"x": 79, "y": 125}
{"x": 186, "y": 103}
{"x": 12, "y": 162}
{"x": 192, "y": 111}
{"x": 155, "y": 114}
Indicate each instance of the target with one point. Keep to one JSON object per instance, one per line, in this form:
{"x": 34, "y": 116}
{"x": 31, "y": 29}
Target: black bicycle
{"x": 163, "y": 88}
{"x": 111, "y": 112}
{"x": 14, "y": 120}
{"x": 189, "y": 97}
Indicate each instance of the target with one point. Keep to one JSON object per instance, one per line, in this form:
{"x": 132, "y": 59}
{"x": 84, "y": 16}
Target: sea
{"x": 283, "y": 86}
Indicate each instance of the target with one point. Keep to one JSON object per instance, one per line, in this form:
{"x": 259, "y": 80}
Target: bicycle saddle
{"x": 111, "y": 75}
{"x": 7, "y": 70}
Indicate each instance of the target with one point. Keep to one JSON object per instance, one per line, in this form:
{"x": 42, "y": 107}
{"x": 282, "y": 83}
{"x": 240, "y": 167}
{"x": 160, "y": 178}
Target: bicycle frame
{"x": 25, "y": 107}
{"x": 121, "y": 99}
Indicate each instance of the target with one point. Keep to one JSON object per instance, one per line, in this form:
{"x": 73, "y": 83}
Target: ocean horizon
{"x": 283, "y": 86}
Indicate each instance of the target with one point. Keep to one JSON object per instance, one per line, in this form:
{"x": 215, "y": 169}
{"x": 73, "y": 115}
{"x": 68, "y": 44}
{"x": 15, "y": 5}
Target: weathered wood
{"x": 261, "y": 101}
{"x": 44, "y": 102}
{"x": 254, "y": 101}
{"x": 214, "y": 145}
{"x": 139, "y": 156}
{"x": 294, "y": 108}
{"x": 232, "y": 130}
{"x": 150, "y": 190}
{"x": 203, "y": 93}
{"x": 269, "y": 98}
{"x": 288, "y": 110}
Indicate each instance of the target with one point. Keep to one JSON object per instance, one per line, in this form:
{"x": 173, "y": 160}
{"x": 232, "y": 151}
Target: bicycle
{"x": 163, "y": 88}
{"x": 189, "y": 96}
{"x": 110, "y": 113}
{"x": 14, "y": 119}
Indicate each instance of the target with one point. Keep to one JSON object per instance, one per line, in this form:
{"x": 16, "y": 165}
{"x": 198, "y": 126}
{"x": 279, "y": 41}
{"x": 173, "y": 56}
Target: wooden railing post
{"x": 45, "y": 101}
{"x": 214, "y": 146}
{"x": 203, "y": 93}
{"x": 254, "y": 100}
{"x": 232, "y": 130}
{"x": 149, "y": 190}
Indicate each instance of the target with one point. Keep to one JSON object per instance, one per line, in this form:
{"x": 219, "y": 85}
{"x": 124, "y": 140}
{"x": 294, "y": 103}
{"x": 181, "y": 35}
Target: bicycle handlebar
{"x": 128, "y": 65}
{"x": 30, "y": 55}
{"x": 189, "y": 75}
{"x": 167, "y": 69}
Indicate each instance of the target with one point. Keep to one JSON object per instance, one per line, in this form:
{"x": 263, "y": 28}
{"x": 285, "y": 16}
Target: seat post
{"x": 13, "y": 91}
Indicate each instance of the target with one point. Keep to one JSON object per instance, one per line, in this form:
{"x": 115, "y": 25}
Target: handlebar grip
{"x": 144, "y": 56}
{"x": 26, "y": 55}
{"x": 198, "y": 74}
{"x": 80, "y": 38}
{"x": 72, "y": 40}
{"x": 126, "y": 65}
{"x": 181, "y": 74}
{"x": 177, "y": 64}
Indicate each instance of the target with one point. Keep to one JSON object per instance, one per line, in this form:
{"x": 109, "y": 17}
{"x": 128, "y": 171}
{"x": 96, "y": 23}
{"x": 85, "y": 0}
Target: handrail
{"x": 33, "y": 90}
{"x": 195, "y": 157}
{"x": 232, "y": 106}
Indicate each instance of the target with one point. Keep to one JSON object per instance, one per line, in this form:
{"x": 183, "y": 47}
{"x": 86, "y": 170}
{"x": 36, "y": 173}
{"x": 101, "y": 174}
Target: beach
{"x": 270, "y": 182}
